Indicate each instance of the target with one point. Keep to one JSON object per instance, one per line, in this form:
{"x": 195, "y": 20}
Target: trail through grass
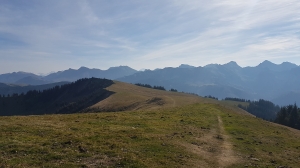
{"x": 186, "y": 136}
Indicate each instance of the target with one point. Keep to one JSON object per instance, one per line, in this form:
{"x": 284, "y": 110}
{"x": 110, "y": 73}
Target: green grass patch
{"x": 172, "y": 137}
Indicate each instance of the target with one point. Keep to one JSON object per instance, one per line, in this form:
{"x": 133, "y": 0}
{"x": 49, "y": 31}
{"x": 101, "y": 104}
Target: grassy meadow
{"x": 176, "y": 130}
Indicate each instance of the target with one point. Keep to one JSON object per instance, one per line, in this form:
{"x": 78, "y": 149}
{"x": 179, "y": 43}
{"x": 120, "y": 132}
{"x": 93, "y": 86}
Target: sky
{"x": 47, "y": 36}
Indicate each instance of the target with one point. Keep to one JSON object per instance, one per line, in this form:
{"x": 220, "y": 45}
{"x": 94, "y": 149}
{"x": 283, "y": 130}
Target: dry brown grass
{"x": 132, "y": 97}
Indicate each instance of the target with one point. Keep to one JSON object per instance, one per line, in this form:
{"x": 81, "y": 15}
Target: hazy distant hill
{"x": 32, "y": 80}
{"x": 10, "y": 89}
{"x": 267, "y": 80}
{"x": 83, "y": 72}
{"x": 185, "y": 66}
{"x": 15, "y": 76}
{"x": 288, "y": 98}
{"x": 67, "y": 75}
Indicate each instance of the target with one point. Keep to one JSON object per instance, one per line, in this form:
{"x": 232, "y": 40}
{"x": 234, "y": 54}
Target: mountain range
{"x": 10, "y": 89}
{"x": 70, "y": 75}
{"x": 279, "y": 83}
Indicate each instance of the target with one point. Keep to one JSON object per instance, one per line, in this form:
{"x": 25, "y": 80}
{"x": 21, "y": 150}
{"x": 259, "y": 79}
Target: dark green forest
{"x": 236, "y": 99}
{"x": 263, "y": 109}
{"x": 289, "y": 116}
{"x": 173, "y": 90}
{"x": 68, "y": 98}
{"x": 286, "y": 115}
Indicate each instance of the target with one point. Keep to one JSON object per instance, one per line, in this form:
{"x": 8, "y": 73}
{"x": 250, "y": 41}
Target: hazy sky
{"x": 41, "y": 36}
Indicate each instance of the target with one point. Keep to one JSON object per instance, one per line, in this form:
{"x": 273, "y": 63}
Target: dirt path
{"x": 227, "y": 156}
{"x": 214, "y": 147}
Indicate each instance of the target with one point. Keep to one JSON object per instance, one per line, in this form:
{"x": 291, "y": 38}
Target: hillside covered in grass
{"x": 128, "y": 97}
{"x": 200, "y": 135}
{"x": 148, "y": 128}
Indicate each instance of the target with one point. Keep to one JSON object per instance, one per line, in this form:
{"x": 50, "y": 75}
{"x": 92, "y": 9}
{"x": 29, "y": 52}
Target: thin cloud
{"x": 147, "y": 34}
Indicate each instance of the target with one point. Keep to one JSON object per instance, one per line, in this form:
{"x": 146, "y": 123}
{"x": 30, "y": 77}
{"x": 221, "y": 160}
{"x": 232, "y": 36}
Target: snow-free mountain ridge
{"x": 266, "y": 81}
{"x": 278, "y": 82}
{"x": 69, "y": 75}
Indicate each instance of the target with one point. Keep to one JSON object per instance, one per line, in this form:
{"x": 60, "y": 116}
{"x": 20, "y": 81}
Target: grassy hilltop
{"x": 155, "y": 129}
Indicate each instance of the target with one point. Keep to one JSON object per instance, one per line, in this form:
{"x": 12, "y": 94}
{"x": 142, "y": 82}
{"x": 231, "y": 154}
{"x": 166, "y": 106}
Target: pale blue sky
{"x": 41, "y": 36}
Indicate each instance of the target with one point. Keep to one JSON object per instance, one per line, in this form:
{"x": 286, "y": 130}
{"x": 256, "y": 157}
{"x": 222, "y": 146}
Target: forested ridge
{"x": 262, "y": 108}
{"x": 286, "y": 115}
{"x": 289, "y": 116}
{"x": 69, "y": 98}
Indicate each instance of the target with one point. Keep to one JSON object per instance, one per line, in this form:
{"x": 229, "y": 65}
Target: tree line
{"x": 262, "y": 108}
{"x": 236, "y": 99}
{"x": 286, "y": 115}
{"x": 154, "y": 87}
{"x": 289, "y": 116}
{"x": 211, "y": 97}
{"x": 68, "y": 98}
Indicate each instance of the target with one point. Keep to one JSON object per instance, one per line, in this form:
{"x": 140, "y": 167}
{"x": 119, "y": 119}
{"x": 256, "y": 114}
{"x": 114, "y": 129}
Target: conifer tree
{"x": 293, "y": 117}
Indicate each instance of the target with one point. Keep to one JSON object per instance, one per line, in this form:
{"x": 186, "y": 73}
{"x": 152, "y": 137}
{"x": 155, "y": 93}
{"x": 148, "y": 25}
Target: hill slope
{"x": 174, "y": 130}
{"x": 132, "y": 97}
{"x": 203, "y": 135}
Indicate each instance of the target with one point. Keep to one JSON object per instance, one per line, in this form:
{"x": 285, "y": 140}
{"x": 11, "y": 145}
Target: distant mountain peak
{"x": 232, "y": 64}
{"x": 266, "y": 63}
{"x": 22, "y": 72}
{"x": 185, "y": 66}
{"x": 121, "y": 67}
{"x": 211, "y": 65}
{"x": 277, "y": 67}
{"x": 289, "y": 64}
{"x": 83, "y": 68}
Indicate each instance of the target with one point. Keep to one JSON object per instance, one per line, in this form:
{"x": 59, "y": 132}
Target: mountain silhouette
{"x": 266, "y": 81}
{"x": 69, "y": 75}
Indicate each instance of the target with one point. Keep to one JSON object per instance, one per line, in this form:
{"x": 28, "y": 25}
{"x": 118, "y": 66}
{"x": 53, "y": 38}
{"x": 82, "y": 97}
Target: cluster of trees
{"x": 69, "y": 98}
{"x": 289, "y": 116}
{"x": 158, "y": 87}
{"x": 211, "y": 97}
{"x": 173, "y": 90}
{"x": 144, "y": 85}
{"x": 286, "y": 115}
{"x": 149, "y": 86}
{"x": 262, "y": 108}
{"x": 236, "y": 99}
